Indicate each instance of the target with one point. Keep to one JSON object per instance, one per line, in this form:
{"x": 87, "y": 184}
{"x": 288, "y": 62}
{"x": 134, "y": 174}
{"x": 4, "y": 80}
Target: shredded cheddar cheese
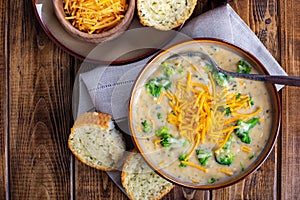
{"x": 195, "y": 180}
{"x": 225, "y": 171}
{"x": 194, "y": 148}
{"x": 190, "y": 105}
{"x": 246, "y": 149}
{"x": 94, "y": 16}
{"x": 162, "y": 163}
{"x": 195, "y": 110}
{"x": 156, "y": 142}
{"x": 160, "y": 97}
{"x": 194, "y": 165}
{"x": 212, "y": 84}
{"x": 245, "y": 116}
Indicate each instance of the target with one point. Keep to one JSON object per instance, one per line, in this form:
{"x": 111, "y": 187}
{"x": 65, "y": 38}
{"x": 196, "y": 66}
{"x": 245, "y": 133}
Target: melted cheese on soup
{"x": 201, "y": 126}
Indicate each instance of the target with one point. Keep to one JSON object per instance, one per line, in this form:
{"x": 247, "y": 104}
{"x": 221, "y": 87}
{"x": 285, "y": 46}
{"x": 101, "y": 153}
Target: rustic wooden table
{"x": 36, "y": 80}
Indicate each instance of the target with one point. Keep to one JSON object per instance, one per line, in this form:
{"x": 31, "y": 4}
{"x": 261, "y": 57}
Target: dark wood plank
{"x": 260, "y": 16}
{"x": 40, "y": 90}
{"x": 94, "y": 184}
{"x": 290, "y": 59}
{"x": 3, "y": 98}
{"x": 177, "y": 193}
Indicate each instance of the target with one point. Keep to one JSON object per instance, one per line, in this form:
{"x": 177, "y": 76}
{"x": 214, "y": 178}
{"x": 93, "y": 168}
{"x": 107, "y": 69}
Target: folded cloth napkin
{"x": 107, "y": 89}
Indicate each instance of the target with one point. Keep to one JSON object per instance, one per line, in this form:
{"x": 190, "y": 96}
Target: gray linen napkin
{"x": 102, "y": 87}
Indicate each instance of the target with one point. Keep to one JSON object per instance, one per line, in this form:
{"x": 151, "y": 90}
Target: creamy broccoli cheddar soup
{"x": 199, "y": 125}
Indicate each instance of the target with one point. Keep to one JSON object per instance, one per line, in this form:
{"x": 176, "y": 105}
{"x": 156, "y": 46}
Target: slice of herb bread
{"x": 164, "y": 14}
{"x": 95, "y": 141}
{"x": 141, "y": 182}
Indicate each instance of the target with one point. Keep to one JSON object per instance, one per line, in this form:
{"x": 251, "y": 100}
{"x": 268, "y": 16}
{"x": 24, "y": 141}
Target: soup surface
{"x": 198, "y": 125}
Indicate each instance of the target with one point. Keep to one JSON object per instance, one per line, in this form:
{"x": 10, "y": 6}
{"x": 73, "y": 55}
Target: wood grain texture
{"x": 94, "y": 184}
{"x": 290, "y": 60}
{"x": 40, "y": 86}
{"x": 262, "y": 17}
{"x": 36, "y": 80}
{"x": 3, "y": 99}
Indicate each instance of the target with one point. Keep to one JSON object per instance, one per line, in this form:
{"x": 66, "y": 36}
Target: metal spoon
{"x": 282, "y": 80}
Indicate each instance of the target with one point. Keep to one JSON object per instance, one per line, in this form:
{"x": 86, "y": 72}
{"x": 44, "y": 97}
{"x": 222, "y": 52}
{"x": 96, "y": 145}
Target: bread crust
{"x": 93, "y": 118}
{"x": 103, "y": 124}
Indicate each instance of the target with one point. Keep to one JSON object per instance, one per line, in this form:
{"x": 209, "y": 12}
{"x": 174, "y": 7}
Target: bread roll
{"x": 95, "y": 141}
{"x": 164, "y": 14}
{"x": 141, "y": 182}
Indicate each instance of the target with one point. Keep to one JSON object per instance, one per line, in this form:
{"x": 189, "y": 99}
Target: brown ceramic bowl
{"x": 162, "y": 159}
{"x": 95, "y": 37}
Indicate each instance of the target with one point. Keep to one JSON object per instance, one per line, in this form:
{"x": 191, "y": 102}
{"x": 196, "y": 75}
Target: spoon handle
{"x": 282, "y": 80}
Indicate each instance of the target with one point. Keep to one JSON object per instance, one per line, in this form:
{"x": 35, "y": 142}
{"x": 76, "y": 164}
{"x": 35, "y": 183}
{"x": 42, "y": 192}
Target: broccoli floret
{"x": 227, "y": 111}
{"x": 178, "y": 142}
{"x": 243, "y": 67}
{"x": 182, "y": 157}
{"x": 167, "y": 140}
{"x": 251, "y": 101}
{"x": 252, "y": 155}
{"x": 238, "y": 95}
{"x": 208, "y": 66}
{"x": 146, "y": 126}
{"x": 244, "y": 128}
{"x": 242, "y": 166}
{"x": 168, "y": 69}
{"x": 203, "y": 156}
{"x": 162, "y": 130}
{"x": 227, "y": 145}
{"x": 156, "y": 85}
{"x": 211, "y": 180}
{"x": 159, "y": 115}
{"x": 224, "y": 156}
{"x": 221, "y": 79}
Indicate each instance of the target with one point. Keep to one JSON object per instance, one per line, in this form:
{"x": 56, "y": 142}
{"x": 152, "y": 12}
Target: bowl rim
{"x": 265, "y": 151}
{"x": 94, "y": 38}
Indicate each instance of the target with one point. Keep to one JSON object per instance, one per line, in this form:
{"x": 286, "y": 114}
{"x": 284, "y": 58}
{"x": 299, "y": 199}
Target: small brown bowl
{"x": 108, "y": 35}
{"x": 149, "y": 112}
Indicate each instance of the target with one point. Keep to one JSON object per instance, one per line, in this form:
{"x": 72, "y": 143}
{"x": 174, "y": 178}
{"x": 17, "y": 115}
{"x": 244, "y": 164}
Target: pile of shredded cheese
{"x": 94, "y": 16}
{"x": 197, "y": 115}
